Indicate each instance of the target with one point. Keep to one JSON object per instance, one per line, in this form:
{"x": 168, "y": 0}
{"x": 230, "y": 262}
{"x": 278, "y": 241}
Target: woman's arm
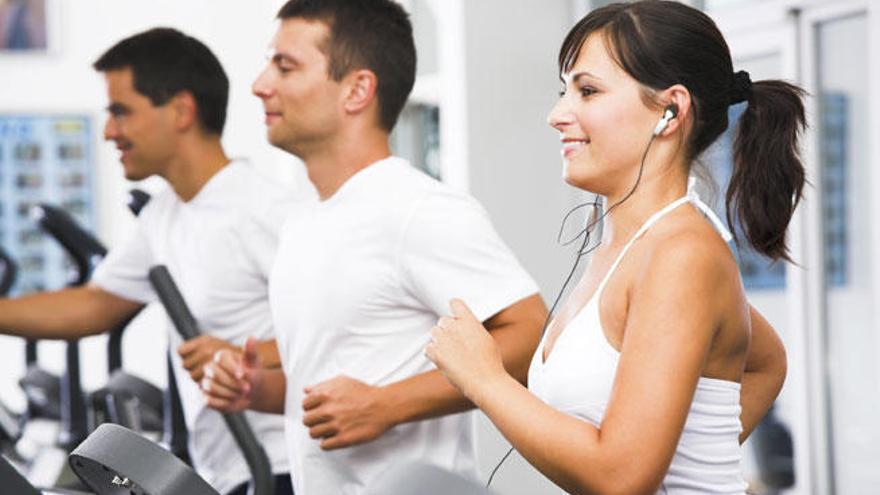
{"x": 764, "y": 375}
{"x": 669, "y": 330}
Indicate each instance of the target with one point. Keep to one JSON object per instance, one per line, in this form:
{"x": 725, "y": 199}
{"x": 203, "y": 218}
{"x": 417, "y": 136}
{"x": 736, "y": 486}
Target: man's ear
{"x": 360, "y": 90}
{"x": 185, "y": 109}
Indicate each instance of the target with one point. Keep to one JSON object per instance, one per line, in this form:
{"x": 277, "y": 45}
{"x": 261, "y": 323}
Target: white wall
{"x": 515, "y": 168}
{"x": 514, "y": 165}
{"x": 63, "y": 81}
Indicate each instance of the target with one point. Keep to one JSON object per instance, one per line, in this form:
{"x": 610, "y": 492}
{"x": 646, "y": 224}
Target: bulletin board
{"x": 43, "y": 158}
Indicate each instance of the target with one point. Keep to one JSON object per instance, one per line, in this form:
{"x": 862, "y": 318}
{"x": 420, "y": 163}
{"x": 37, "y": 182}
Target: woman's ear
{"x": 678, "y": 99}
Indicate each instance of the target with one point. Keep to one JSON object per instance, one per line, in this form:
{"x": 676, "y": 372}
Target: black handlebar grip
{"x": 84, "y": 248}
{"x": 185, "y": 322}
{"x": 172, "y": 300}
{"x": 8, "y": 272}
{"x": 137, "y": 199}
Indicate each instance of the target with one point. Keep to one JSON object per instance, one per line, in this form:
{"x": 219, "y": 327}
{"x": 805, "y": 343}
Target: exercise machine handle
{"x": 85, "y": 250}
{"x": 8, "y": 272}
{"x": 185, "y": 322}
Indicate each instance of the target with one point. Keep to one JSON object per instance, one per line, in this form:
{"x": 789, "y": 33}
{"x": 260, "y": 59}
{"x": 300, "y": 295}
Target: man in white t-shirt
{"x": 216, "y": 228}
{"x": 364, "y": 271}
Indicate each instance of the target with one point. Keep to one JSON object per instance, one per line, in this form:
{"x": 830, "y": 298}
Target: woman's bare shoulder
{"x": 688, "y": 247}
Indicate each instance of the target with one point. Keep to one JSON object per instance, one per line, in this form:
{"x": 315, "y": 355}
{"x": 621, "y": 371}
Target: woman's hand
{"x": 464, "y": 351}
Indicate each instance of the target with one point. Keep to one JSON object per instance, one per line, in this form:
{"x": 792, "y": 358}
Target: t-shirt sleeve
{"x": 259, "y": 234}
{"x": 449, "y": 249}
{"x": 124, "y": 272}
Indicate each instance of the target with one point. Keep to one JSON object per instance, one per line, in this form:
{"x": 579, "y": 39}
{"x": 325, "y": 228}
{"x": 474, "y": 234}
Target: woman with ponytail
{"x": 655, "y": 368}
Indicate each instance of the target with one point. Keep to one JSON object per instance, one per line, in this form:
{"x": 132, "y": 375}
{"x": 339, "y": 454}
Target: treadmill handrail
{"x": 81, "y": 245}
{"x": 9, "y": 272}
{"x": 186, "y": 326}
{"x": 85, "y": 251}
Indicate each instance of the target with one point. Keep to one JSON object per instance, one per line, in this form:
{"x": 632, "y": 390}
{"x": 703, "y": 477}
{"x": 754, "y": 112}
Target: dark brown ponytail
{"x": 768, "y": 176}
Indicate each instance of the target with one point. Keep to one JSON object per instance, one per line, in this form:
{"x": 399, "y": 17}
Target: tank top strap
{"x": 690, "y": 197}
{"x": 639, "y": 233}
{"x": 710, "y": 214}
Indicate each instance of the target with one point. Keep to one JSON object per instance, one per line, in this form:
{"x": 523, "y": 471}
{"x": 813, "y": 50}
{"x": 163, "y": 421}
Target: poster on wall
{"x": 43, "y": 159}
{"x": 24, "y": 25}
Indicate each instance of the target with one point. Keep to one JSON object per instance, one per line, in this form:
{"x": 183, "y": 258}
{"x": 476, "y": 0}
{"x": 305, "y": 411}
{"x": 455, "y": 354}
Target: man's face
{"x": 143, "y": 133}
{"x": 303, "y": 104}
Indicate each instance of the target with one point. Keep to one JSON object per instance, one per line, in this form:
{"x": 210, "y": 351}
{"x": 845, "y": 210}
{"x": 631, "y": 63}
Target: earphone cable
{"x": 586, "y": 233}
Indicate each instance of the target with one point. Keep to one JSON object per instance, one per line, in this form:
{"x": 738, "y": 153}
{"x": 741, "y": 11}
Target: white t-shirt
{"x": 358, "y": 283}
{"x": 219, "y": 247}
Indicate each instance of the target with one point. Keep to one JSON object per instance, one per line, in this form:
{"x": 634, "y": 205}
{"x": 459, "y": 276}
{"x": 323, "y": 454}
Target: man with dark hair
{"x": 163, "y": 63}
{"x": 364, "y": 271}
{"x": 374, "y": 35}
{"x": 216, "y": 228}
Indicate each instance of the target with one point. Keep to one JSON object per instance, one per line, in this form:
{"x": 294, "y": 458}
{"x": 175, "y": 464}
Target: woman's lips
{"x": 571, "y": 147}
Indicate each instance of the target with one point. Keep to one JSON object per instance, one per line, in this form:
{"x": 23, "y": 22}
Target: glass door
{"x": 836, "y": 65}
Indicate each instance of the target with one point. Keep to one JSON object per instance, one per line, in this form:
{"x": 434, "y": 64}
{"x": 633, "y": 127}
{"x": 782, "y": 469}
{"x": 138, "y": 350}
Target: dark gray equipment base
{"x": 130, "y": 401}
{"x": 11, "y": 481}
{"x": 117, "y": 461}
{"x": 423, "y": 479}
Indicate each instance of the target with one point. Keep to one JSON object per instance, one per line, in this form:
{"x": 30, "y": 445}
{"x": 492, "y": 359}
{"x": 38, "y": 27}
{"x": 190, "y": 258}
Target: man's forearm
{"x": 269, "y": 396}
{"x": 65, "y": 314}
{"x": 424, "y": 396}
{"x": 268, "y": 351}
{"x": 516, "y": 330}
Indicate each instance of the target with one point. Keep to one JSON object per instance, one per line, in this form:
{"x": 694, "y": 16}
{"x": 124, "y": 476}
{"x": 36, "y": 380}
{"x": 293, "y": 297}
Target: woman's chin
{"x": 575, "y": 180}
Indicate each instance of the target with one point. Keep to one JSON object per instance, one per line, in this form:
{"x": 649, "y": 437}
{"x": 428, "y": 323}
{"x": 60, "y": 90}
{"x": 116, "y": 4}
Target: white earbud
{"x": 669, "y": 113}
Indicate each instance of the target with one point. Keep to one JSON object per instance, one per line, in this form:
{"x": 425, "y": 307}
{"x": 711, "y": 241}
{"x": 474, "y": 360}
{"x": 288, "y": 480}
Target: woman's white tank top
{"x": 579, "y": 373}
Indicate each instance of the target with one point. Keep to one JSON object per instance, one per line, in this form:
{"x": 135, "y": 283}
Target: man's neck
{"x": 194, "y": 165}
{"x": 330, "y": 168}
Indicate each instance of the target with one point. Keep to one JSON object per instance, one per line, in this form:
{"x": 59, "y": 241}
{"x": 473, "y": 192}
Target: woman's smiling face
{"x": 603, "y": 121}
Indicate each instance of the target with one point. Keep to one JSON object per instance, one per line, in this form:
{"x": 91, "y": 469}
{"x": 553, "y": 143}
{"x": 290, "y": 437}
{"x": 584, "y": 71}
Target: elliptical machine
{"x": 126, "y": 399}
{"x": 56, "y": 417}
{"x": 114, "y": 460}
{"x": 175, "y": 435}
{"x": 60, "y": 402}
{"x": 11, "y": 424}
